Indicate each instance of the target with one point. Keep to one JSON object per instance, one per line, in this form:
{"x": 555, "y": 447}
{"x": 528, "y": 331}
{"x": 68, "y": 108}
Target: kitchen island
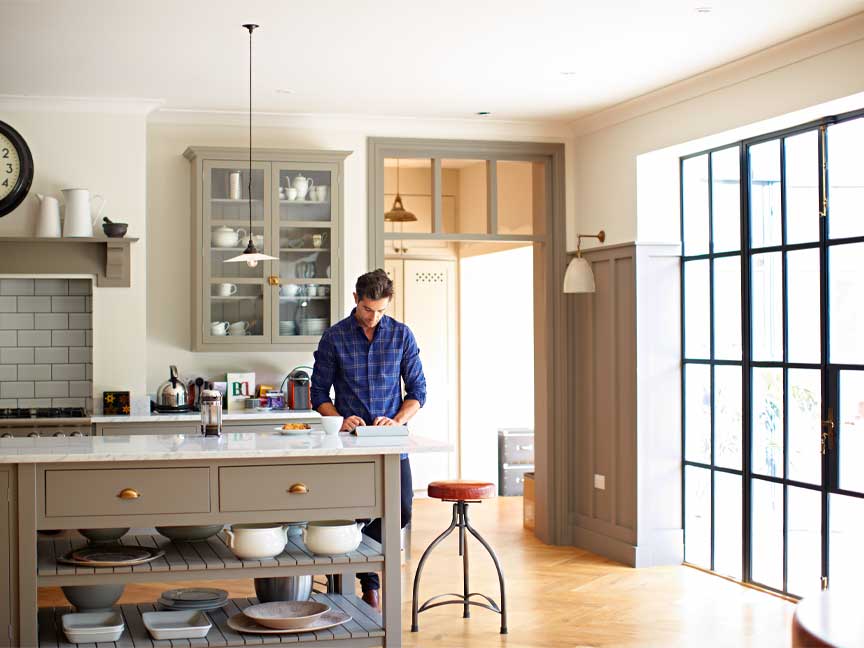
{"x": 148, "y": 480}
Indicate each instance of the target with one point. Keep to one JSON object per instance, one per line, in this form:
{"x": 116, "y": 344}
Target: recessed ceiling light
{"x": 704, "y": 10}
{"x": 284, "y": 91}
{"x": 483, "y": 112}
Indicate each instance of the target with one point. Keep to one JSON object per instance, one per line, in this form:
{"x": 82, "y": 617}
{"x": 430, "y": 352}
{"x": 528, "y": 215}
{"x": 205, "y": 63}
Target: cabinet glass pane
{"x": 804, "y": 541}
{"x": 694, "y": 190}
{"x": 805, "y": 429}
{"x": 697, "y": 413}
{"x": 766, "y": 278}
{"x": 228, "y": 242}
{"x": 766, "y": 535}
{"x": 697, "y": 516}
{"x": 850, "y": 421}
{"x": 767, "y": 421}
{"x": 467, "y": 181}
{"x": 236, "y": 309}
{"x": 229, "y": 193}
{"x": 697, "y": 340}
{"x": 304, "y": 195}
{"x": 726, "y": 200}
{"x": 727, "y": 524}
{"x": 765, "y": 194}
{"x": 802, "y": 298}
{"x": 727, "y": 308}
{"x": 411, "y": 178}
{"x": 846, "y": 179}
{"x": 845, "y": 528}
{"x": 305, "y": 253}
{"x": 727, "y": 416}
{"x": 846, "y": 306}
{"x": 521, "y": 197}
{"x": 802, "y": 188}
{"x": 304, "y": 309}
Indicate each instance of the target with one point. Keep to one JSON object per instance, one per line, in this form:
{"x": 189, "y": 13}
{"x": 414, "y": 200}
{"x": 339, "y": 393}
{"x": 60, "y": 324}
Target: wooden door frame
{"x": 554, "y": 407}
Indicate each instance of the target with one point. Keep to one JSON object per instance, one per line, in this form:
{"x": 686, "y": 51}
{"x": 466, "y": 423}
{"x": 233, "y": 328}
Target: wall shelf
{"x": 107, "y": 258}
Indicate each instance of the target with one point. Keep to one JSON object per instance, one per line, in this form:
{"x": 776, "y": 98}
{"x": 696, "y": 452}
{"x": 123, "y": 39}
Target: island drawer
{"x": 124, "y": 491}
{"x": 307, "y": 486}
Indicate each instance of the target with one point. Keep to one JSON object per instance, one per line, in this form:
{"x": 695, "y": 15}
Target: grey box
{"x": 80, "y": 287}
{"x": 34, "y": 338}
{"x": 16, "y": 286}
{"x": 80, "y": 355}
{"x": 82, "y": 388}
{"x": 80, "y": 321}
{"x": 67, "y": 372}
{"x": 34, "y": 304}
{"x": 34, "y": 402}
{"x": 34, "y": 372}
{"x": 53, "y": 389}
{"x": 69, "y": 402}
{"x": 8, "y": 338}
{"x": 16, "y": 390}
{"x": 512, "y": 479}
{"x": 16, "y": 321}
{"x": 47, "y": 355}
{"x": 9, "y": 373}
{"x": 8, "y": 304}
{"x": 67, "y": 304}
{"x": 51, "y": 321}
{"x": 52, "y": 287}
{"x": 13, "y": 355}
{"x": 67, "y": 338}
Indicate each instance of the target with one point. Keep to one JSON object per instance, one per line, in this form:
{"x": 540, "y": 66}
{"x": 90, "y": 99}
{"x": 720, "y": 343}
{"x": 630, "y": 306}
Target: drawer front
{"x": 512, "y": 480}
{"x": 154, "y": 428}
{"x": 97, "y": 492}
{"x": 268, "y": 488}
{"x": 517, "y": 449}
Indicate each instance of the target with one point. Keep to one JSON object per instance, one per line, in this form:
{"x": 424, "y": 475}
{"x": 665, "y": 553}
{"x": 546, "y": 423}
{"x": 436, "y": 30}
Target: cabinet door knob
{"x": 128, "y": 493}
{"x": 298, "y": 489}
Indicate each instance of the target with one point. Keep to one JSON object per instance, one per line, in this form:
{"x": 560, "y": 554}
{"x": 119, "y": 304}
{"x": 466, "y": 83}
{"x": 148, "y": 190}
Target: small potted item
{"x": 112, "y": 229}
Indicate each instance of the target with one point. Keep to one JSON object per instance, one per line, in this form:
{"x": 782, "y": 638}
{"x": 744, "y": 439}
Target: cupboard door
{"x": 6, "y": 585}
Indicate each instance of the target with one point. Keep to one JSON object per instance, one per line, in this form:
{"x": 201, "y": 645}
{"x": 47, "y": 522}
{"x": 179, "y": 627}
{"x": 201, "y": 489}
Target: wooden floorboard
{"x": 556, "y": 596}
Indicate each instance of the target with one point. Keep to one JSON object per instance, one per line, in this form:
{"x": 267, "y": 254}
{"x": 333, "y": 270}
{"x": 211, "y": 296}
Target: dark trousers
{"x": 370, "y": 581}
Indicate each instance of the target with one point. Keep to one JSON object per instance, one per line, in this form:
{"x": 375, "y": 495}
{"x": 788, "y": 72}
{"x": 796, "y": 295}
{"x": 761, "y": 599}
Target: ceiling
{"x": 552, "y": 60}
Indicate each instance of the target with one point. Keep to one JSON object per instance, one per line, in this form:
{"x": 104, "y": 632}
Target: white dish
{"x": 177, "y": 625}
{"x": 242, "y": 623}
{"x": 332, "y": 537}
{"x": 292, "y": 432}
{"x": 93, "y": 627}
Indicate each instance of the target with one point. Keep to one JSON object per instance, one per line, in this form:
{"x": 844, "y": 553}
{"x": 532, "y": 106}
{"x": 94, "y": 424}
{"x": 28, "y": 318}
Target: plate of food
{"x": 294, "y": 428}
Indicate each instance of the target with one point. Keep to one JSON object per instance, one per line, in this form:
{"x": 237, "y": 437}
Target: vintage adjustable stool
{"x": 461, "y": 493}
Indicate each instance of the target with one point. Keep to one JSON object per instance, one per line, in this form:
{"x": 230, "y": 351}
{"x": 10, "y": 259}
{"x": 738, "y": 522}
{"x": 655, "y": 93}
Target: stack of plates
{"x": 193, "y": 598}
{"x": 110, "y": 556}
{"x": 314, "y": 325}
{"x": 287, "y": 327}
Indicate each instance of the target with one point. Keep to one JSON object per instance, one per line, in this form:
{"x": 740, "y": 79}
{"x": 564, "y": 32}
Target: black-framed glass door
{"x": 773, "y": 366}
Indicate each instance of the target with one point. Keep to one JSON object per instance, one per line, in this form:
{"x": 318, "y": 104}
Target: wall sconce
{"x": 579, "y": 278}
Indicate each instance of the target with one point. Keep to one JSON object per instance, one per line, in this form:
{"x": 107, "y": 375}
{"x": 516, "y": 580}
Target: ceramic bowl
{"x": 286, "y": 615}
{"x": 331, "y": 537}
{"x": 283, "y": 588}
{"x": 92, "y": 598}
{"x": 103, "y": 535}
{"x": 331, "y": 424}
{"x": 190, "y": 533}
{"x": 115, "y": 230}
{"x": 256, "y": 541}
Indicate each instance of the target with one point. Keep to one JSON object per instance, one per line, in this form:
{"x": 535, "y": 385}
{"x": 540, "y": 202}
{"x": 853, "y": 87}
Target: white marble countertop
{"x": 174, "y": 447}
{"x": 283, "y": 415}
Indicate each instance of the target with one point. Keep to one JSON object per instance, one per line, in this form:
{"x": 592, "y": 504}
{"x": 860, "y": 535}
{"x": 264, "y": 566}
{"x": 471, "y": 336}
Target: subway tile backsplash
{"x": 45, "y": 343}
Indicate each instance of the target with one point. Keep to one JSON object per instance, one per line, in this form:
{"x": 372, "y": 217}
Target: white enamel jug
{"x": 302, "y": 185}
{"x": 79, "y": 220}
{"x": 48, "y": 222}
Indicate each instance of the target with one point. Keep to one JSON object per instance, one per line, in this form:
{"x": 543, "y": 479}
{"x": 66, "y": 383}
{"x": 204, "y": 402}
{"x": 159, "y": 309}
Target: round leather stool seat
{"x": 461, "y": 489}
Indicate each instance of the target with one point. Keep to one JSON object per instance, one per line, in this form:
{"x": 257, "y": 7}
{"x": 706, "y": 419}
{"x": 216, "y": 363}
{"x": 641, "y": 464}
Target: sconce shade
{"x": 579, "y": 278}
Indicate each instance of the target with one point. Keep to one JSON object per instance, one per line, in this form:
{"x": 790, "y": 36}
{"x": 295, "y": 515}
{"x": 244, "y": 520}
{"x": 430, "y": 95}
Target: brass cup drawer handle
{"x": 298, "y": 489}
{"x": 128, "y": 494}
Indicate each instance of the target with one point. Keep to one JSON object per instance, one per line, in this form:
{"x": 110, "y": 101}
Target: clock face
{"x": 16, "y": 168}
{"x": 10, "y": 166}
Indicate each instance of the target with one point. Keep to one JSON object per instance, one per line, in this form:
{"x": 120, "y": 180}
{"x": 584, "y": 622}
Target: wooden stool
{"x": 461, "y": 493}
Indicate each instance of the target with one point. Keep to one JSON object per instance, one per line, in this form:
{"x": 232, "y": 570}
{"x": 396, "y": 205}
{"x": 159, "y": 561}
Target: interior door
{"x": 395, "y": 269}
{"x": 429, "y": 307}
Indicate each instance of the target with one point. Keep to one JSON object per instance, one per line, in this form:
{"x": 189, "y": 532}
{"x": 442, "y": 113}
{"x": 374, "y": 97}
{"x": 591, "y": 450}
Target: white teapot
{"x": 226, "y": 237}
{"x": 256, "y": 541}
{"x": 302, "y": 185}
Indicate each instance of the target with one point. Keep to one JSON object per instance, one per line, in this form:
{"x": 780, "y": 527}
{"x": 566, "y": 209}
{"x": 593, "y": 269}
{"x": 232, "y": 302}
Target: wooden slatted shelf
{"x": 210, "y": 559}
{"x": 364, "y": 629}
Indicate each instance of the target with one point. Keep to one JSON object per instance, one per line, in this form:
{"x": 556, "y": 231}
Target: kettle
{"x": 172, "y": 395}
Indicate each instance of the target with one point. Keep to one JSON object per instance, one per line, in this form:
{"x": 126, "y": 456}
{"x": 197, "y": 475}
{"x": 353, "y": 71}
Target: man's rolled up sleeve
{"x": 412, "y": 371}
{"x": 323, "y": 372}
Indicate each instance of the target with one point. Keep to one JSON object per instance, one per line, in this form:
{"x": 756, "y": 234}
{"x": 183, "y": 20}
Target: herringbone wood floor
{"x": 558, "y": 596}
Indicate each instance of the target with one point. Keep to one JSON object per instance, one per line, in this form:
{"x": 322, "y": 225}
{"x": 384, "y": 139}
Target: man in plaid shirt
{"x": 365, "y": 358}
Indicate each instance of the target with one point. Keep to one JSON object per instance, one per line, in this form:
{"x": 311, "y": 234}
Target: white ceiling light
{"x": 579, "y": 278}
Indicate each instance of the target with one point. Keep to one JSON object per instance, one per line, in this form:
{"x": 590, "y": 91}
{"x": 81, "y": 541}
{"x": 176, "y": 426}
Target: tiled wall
{"x": 46, "y": 340}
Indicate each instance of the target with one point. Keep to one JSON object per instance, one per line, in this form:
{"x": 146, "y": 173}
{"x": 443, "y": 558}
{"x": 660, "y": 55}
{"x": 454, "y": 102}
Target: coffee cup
{"x": 291, "y": 193}
{"x": 238, "y": 328}
{"x": 219, "y": 328}
{"x": 312, "y": 290}
{"x": 317, "y": 240}
{"x": 289, "y": 290}
{"x": 321, "y": 193}
{"x": 226, "y": 289}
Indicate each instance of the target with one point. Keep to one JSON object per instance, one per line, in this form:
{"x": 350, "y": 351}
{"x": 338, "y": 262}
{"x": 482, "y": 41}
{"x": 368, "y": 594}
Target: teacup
{"x": 312, "y": 290}
{"x": 291, "y": 193}
{"x": 317, "y": 240}
{"x": 320, "y": 193}
{"x": 218, "y": 328}
{"x": 238, "y": 328}
{"x": 226, "y": 289}
{"x": 289, "y": 290}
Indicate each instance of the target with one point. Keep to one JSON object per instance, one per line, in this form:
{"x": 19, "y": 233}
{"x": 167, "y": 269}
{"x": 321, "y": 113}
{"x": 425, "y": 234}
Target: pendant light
{"x": 579, "y": 278}
{"x": 251, "y": 256}
{"x": 399, "y": 214}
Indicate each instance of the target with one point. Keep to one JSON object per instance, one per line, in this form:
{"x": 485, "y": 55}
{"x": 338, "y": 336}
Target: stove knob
{"x": 77, "y": 434}
{"x": 33, "y": 435}
{"x": 60, "y": 434}
{"x": 7, "y": 435}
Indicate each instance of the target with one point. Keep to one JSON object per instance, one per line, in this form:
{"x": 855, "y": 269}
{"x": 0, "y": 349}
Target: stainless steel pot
{"x": 283, "y": 588}
{"x": 172, "y": 394}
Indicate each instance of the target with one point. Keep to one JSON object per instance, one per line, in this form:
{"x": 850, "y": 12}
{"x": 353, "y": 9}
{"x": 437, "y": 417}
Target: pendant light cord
{"x": 250, "y": 27}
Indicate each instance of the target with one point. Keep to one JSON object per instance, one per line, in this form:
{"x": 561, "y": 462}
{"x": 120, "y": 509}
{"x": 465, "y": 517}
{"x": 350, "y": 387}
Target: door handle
{"x": 128, "y": 493}
{"x": 298, "y": 489}
{"x": 828, "y": 432}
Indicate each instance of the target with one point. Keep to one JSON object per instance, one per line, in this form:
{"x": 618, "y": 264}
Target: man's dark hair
{"x": 374, "y": 285}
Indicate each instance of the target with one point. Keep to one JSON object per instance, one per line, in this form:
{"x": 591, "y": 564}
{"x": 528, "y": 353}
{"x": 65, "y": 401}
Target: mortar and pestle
{"x": 112, "y": 229}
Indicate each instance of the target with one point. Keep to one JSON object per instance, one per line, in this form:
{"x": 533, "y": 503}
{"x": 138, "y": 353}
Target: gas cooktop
{"x": 41, "y": 412}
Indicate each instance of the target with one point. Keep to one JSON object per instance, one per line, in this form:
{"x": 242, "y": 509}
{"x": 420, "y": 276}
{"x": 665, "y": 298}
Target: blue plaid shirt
{"x": 367, "y": 376}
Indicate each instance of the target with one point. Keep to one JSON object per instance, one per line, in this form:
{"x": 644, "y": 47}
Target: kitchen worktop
{"x": 281, "y": 415}
{"x": 246, "y": 445}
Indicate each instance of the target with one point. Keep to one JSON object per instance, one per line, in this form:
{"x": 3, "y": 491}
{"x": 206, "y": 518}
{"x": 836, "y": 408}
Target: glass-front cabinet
{"x": 295, "y": 199}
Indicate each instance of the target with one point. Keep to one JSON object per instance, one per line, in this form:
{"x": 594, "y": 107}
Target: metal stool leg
{"x": 497, "y": 567}
{"x": 435, "y": 543}
{"x": 463, "y": 551}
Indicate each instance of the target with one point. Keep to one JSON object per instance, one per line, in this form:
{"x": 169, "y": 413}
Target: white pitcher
{"x": 302, "y": 185}
{"x": 79, "y": 221}
{"x": 48, "y": 222}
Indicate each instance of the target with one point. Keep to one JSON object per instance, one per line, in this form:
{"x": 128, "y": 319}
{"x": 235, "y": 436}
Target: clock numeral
{"x": 5, "y": 152}
{"x": 5, "y": 183}
{"x": 8, "y": 168}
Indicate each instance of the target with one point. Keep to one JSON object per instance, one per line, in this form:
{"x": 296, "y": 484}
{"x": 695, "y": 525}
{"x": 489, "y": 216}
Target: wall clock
{"x": 16, "y": 168}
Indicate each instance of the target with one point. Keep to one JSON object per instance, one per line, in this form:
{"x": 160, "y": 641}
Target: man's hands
{"x": 352, "y": 422}
{"x": 384, "y": 420}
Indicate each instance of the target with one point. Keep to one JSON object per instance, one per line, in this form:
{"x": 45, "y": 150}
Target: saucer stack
{"x": 193, "y": 598}
{"x": 287, "y": 327}
{"x": 314, "y": 325}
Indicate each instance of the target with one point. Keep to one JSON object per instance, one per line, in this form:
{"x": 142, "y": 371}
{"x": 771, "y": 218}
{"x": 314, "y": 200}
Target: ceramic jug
{"x": 302, "y": 185}
{"x": 79, "y": 222}
{"x": 48, "y": 222}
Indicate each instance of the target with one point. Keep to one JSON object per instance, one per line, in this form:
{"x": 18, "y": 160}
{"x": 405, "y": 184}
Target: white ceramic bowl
{"x": 256, "y": 541}
{"x": 331, "y": 424}
{"x": 330, "y": 537}
{"x": 286, "y": 615}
